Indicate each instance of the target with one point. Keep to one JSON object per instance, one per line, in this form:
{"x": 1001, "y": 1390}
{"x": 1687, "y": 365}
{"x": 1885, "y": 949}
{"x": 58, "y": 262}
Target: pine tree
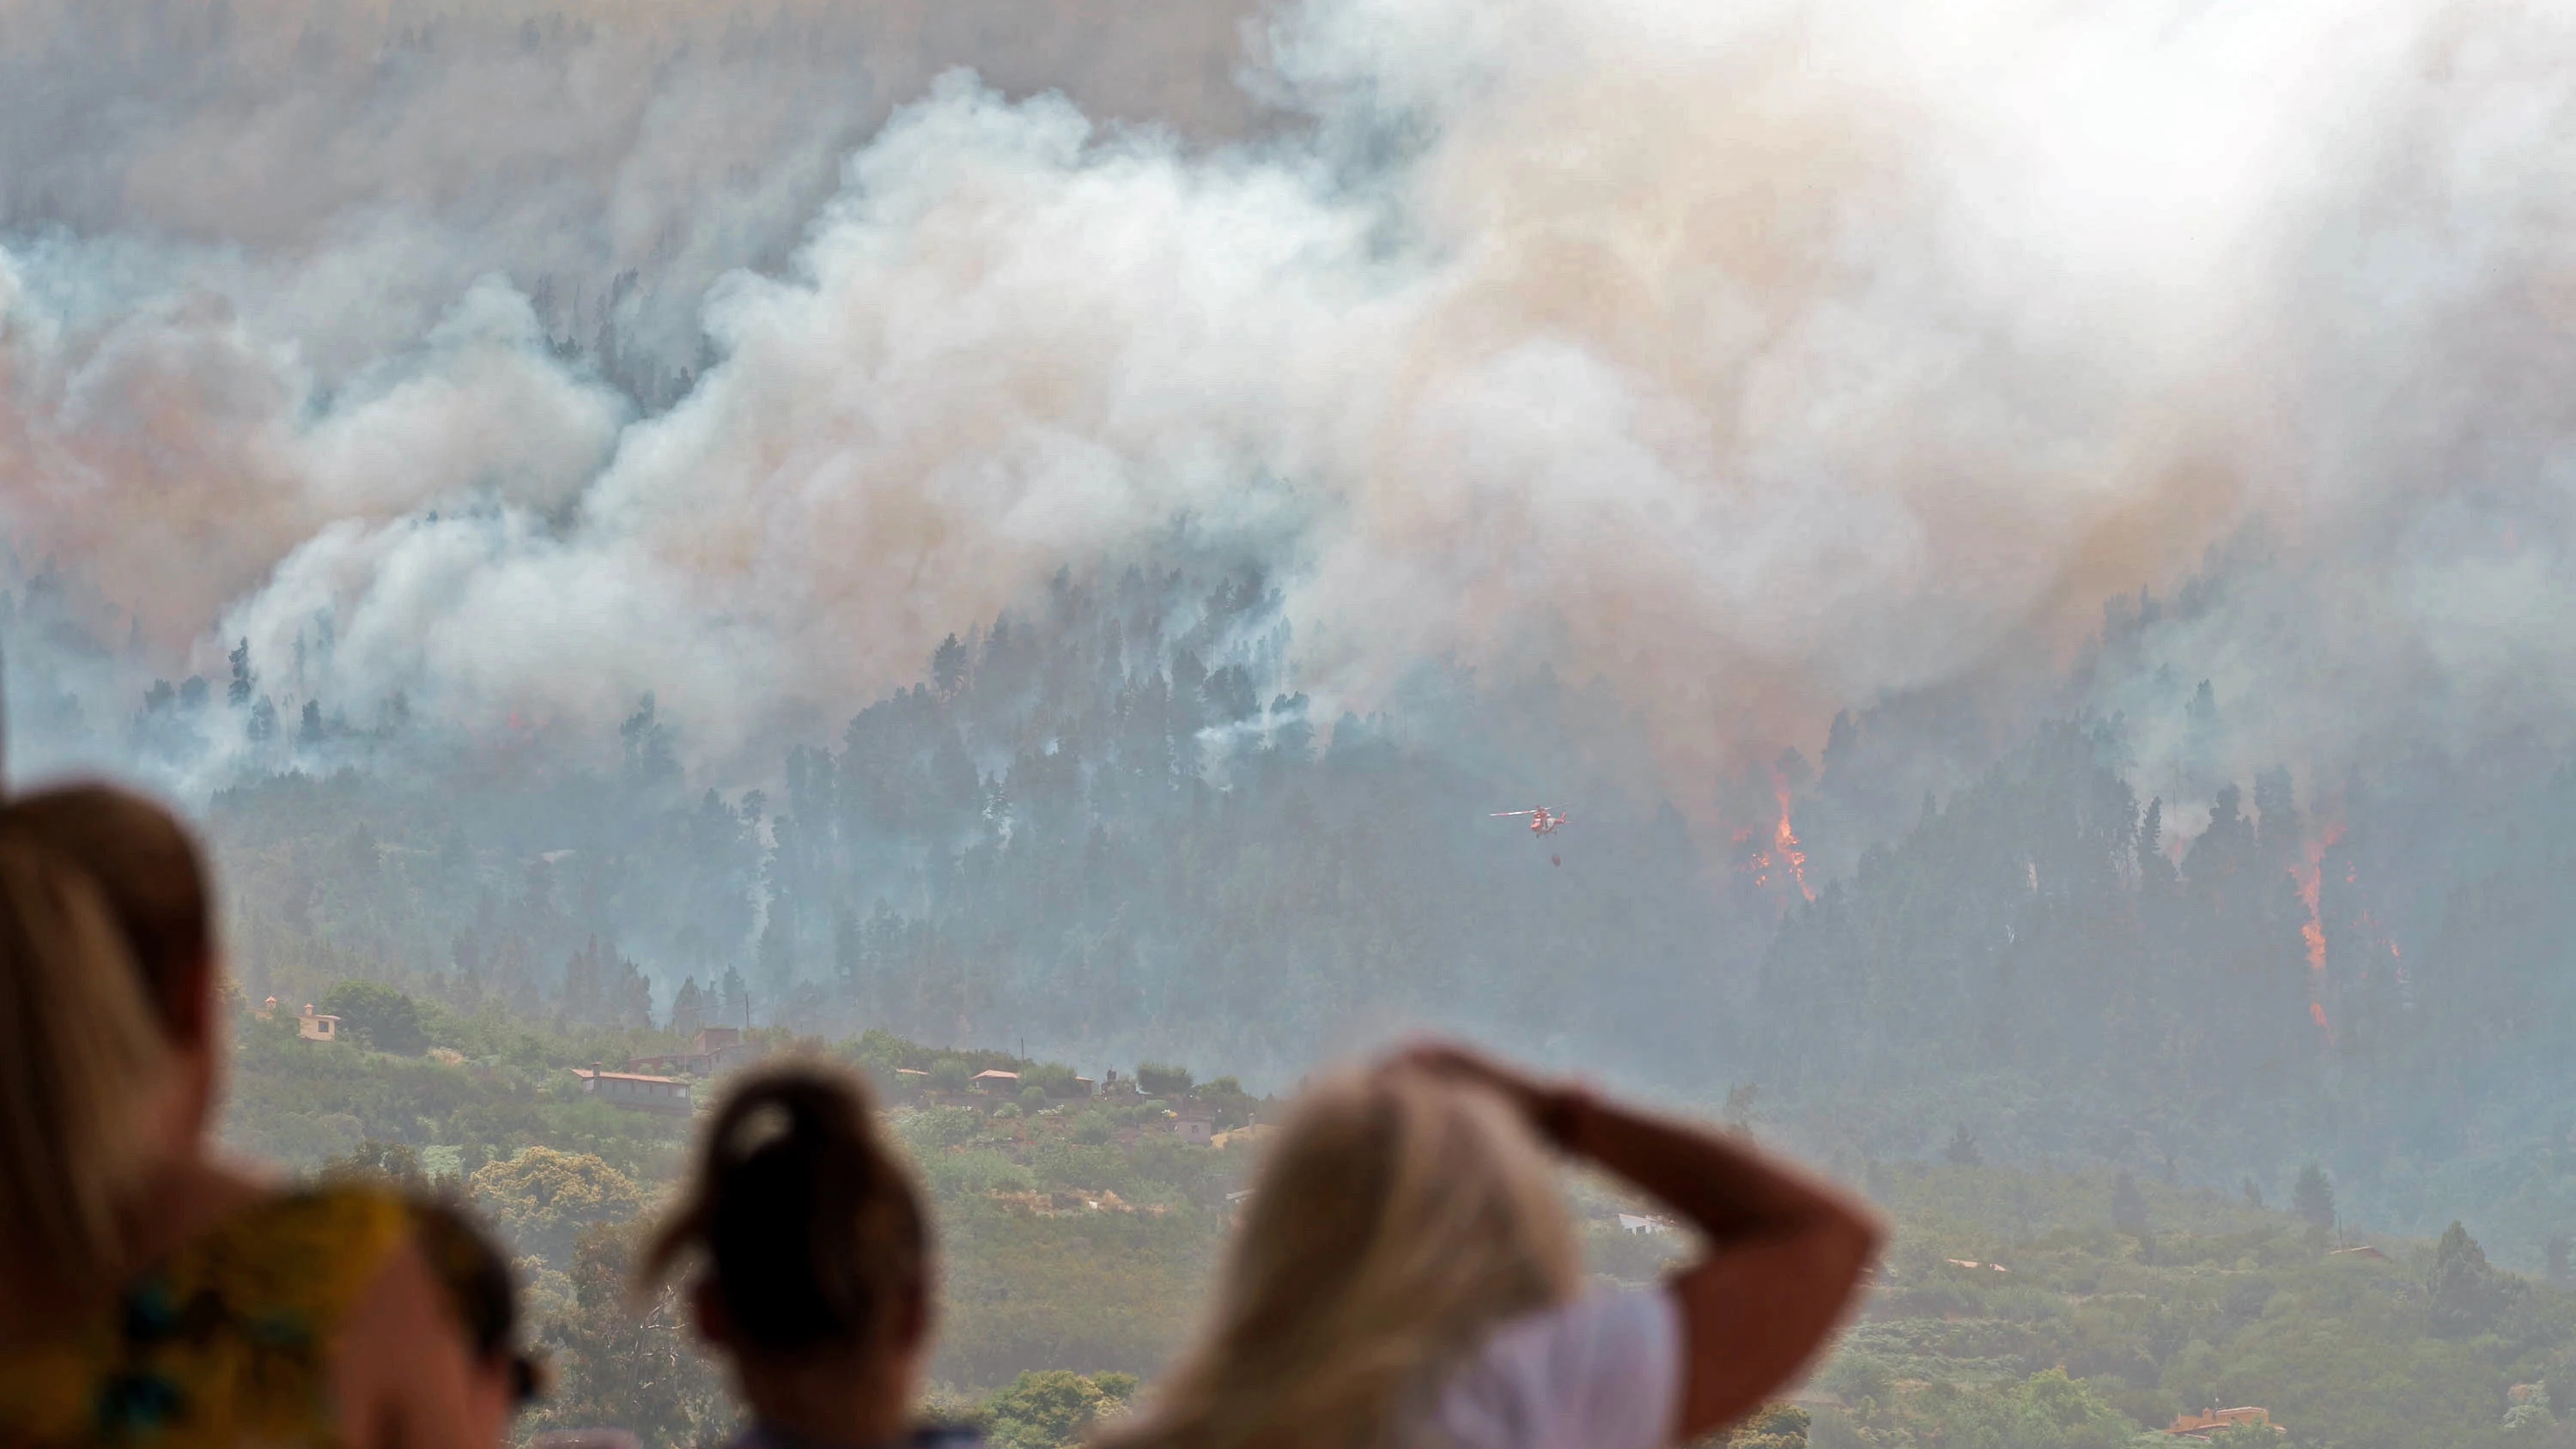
{"x": 2201, "y": 715}
{"x": 627, "y": 1001}
{"x": 776, "y": 953}
{"x": 688, "y": 1009}
{"x": 243, "y": 679}
{"x": 948, "y": 667}
{"x": 1962, "y": 1151}
{"x": 736, "y": 1001}
{"x": 2313, "y": 1198}
{"x": 2465, "y": 1293}
{"x": 652, "y": 759}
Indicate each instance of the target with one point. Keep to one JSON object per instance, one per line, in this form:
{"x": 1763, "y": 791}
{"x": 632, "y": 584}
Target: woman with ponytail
{"x": 810, "y": 1261}
{"x": 151, "y": 1292}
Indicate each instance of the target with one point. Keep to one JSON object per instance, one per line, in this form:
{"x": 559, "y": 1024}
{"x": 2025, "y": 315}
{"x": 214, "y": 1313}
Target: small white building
{"x": 1195, "y": 1122}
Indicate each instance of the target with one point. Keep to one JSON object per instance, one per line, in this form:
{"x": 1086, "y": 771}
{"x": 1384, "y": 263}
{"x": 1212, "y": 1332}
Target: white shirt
{"x": 1600, "y": 1372}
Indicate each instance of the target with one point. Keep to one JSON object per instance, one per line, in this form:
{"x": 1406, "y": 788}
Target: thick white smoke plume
{"x": 1762, "y": 357}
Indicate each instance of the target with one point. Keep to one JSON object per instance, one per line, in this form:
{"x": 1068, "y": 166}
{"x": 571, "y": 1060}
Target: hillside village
{"x": 673, "y": 1083}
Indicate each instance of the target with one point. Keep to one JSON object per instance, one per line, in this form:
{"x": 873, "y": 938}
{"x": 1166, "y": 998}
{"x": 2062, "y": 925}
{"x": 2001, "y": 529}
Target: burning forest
{"x": 2025, "y": 550}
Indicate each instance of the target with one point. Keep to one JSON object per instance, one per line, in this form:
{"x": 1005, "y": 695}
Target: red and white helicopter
{"x": 1542, "y": 821}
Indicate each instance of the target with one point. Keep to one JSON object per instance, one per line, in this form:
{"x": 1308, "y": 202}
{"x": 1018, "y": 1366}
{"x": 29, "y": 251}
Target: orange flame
{"x": 1780, "y": 851}
{"x": 2313, "y": 929}
{"x": 1757, "y": 864}
{"x": 1784, "y": 841}
{"x": 2310, "y": 878}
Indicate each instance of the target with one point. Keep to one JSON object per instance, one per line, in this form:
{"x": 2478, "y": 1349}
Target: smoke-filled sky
{"x": 1759, "y": 357}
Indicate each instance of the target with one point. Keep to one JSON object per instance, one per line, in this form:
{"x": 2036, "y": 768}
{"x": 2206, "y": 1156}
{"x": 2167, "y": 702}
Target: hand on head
{"x": 1785, "y": 1252}
{"x": 1549, "y": 1106}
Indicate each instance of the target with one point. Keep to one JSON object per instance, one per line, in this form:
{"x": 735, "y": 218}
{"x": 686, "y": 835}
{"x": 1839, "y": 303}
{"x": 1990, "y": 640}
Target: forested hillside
{"x": 2086, "y": 1042}
{"x": 2061, "y": 965}
{"x": 1106, "y": 826}
{"x": 1100, "y": 825}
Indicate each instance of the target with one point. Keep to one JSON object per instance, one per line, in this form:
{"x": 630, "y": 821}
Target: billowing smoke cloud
{"x": 617, "y": 157}
{"x": 1760, "y": 358}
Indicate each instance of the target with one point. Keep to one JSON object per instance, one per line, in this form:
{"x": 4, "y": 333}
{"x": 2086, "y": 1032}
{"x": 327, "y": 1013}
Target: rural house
{"x": 636, "y": 1091}
{"x": 2203, "y": 1425}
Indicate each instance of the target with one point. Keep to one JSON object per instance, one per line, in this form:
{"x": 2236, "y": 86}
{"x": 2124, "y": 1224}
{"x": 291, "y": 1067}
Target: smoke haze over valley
{"x": 1058, "y": 523}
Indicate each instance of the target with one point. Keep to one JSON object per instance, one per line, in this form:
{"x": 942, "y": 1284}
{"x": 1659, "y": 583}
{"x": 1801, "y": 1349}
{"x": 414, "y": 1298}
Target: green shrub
{"x": 1162, "y": 1079}
{"x": 377, "y": 1016}
{"x": 542, "y": 1198}
{"x": 938, "y": 1126}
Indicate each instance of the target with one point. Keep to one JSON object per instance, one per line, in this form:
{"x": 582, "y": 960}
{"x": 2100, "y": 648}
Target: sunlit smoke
{"x": 1758, "y": 359}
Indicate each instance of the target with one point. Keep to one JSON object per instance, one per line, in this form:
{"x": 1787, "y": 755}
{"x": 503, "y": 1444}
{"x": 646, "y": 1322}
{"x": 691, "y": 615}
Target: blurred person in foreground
{"x": 502, "y": 1378}
{"x": 151, "y": 1292}
{"x": 811, "y": 1264}
{"x": 1407, "y": 1274}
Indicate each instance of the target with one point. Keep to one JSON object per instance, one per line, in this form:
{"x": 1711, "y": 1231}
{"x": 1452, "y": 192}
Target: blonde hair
{"x": 83, "y": 1060}
{"x": 1401, "y": 1217}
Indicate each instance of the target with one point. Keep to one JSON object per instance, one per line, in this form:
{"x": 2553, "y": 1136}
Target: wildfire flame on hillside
{"x": 2310, "y": 877}
{"x": 1784, "y": 841}
{"x": 1783, "y": 854}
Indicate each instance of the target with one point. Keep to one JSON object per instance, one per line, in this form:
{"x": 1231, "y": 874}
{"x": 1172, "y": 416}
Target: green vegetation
{"x": 1076, "y": 1232}
{"x": 1045, "y": 1408}
{"x": 2018, "y": 1309}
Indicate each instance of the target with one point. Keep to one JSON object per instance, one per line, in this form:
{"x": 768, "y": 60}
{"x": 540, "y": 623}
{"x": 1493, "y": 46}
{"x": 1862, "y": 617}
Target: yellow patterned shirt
{"x": 225, "y": 1343}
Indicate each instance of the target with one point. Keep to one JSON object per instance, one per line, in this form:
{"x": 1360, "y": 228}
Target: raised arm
{"x": 1786, "y": 1251}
